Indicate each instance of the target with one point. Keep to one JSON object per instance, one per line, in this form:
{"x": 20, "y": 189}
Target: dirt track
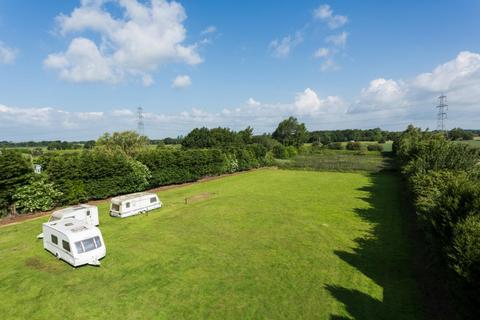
{"x": 10, "y": 220}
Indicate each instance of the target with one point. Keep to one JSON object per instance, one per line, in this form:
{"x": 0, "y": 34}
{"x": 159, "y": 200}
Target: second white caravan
{"x": 82, "y": 212}
{"x": 135, "y": 203}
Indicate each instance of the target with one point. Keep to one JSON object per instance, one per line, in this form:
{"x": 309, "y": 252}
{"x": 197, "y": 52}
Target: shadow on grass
{"x": 383, "y": 255}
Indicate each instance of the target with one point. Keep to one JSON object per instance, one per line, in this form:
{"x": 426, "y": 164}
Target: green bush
{"x": 375, "y": 147}
{"x": 280, "y": 152}
{"x": 291, "y": 151}
{"x": 354, "y": 146}
{"x": 465, "y": 252}
{"x": 37, "y": 195}
{"x": 444, "y": 179}
{"x": 179, "y": 166}
{"x": 15, "y": 172}
{"x": 335, "y": 146}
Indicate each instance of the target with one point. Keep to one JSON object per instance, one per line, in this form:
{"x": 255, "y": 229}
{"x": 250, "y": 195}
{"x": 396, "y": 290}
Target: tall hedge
{"x": 178, "y": 166}
{"x": 444, "y": 180}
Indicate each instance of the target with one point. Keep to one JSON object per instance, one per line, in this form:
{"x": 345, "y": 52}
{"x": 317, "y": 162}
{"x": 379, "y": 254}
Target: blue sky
{"x": 75, "y": 69}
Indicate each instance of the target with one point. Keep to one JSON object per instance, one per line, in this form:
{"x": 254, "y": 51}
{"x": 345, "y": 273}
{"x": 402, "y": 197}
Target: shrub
{"x": 305, "y": 149}
{"x": 37, "y": 195}
{"x": 355, "y": 146}
{"x": 375, "y": 147}
{"x": 280, "y": 152}
{"x": 439, "y": 154}
{"x": 335, "y": 146}
{"x": 444, "y": 198}
{"x": 15, "y": 171}
{"x": 291, "y": 151}
{"x": 465, "y": 252}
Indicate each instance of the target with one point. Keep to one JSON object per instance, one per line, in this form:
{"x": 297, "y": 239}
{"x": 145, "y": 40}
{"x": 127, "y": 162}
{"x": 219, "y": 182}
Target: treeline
{"x": 118, "y": 164}
{"x": 444, "y": 180}
{"x": 328, "y": 136}
{"x": 50, "y": 145}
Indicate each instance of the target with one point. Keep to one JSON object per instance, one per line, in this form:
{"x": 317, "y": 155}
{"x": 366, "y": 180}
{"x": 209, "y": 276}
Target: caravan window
{"x": 66, "y": 245}
{"x": 54, "y": 239}
{"x": 88, "y": 212}
{"x": 153, "y": 199}
{"x": 88, "y": 244}
{"x": 115, "y": 207}
{"x": 79, "y": 247}
{"x": 127, "y": 205}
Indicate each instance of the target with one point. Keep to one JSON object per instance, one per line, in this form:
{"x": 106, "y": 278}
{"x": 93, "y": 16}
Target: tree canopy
{"x": 291, "y": 133}
{"x": 128, "y": 142}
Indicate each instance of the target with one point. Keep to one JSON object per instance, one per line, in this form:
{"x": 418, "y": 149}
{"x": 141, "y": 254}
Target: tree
{"x": 460, "y": 134}
{"x": 15, "y": 171}
{"x": 212, "y": 138}
{"x": 291, "y": 133}
{"x": 246, "y": 135}
{"x": 128, "y": 142}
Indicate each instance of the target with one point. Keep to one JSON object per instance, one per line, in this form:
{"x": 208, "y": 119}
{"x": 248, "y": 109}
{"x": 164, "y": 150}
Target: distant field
{"x": 473, "y": 143}
{"x": 269, "y": 244}
{"x": 340, "y": 160}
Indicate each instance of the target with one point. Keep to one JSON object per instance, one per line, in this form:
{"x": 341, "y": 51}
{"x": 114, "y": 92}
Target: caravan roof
{"x": 131, "y": 196}
{"x": 75, "y": 229}
{"x": 60, "y": 213}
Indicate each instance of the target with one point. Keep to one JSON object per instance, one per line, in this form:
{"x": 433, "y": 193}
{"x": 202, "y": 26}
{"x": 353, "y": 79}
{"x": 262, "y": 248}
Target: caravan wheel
{"x": 57, "y": 255}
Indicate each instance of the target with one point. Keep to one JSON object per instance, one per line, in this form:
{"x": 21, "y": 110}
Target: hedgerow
{"x": 444, "y": 181}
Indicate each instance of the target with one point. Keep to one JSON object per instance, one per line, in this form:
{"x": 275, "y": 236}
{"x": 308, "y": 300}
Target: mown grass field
{"x": 268, "y": 244}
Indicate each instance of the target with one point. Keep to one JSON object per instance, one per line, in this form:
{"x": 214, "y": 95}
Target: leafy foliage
{"x": 128, "y": 142}
{"x": 213, "y": 138}
{"x": 291, "y": 133}
{"x": 465, "y": 252}
{"x": 351, "y": 145}
{"x": 37, "y": 195}
{"x": 15, "y": 172}
{"x": 444, "y": 179}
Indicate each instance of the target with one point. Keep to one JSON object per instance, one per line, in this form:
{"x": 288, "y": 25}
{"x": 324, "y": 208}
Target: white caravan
{"x": 135, "y": 203}
{"x": 74, "y": 241}
{"x": 82, "y": 212}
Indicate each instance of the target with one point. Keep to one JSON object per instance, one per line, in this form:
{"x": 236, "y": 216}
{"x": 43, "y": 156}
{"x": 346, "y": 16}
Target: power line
{"x": 140, "y": 124}
{"x": 442, "y": 112}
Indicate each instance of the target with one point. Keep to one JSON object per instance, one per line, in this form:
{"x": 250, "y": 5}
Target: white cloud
{"x": 386, "y": 103}
{"x": 322, "y": 53}
{"x": 252, "y": 102}
{"x": 181, "y": 81}
{"x": 307, "y": 100}
{"x": 381, "y": 94}
{"x": 462, "y": 71}
{"x": 325, "y": 14}
{"x": 209, "y": 30}
{"x": 329, "y": 65}
{"x": 282, "y": 48}
{"x": 7, "y": 54}
{"x": 82, "y": 62}
{"x": 309, "y": 103}
{"x": 147, "y": 36}
{"x": 339, "y": 40}
{"x": 122, "y": 113}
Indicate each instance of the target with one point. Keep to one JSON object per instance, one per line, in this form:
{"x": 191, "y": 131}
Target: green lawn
{"x": 269, "y": 244}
